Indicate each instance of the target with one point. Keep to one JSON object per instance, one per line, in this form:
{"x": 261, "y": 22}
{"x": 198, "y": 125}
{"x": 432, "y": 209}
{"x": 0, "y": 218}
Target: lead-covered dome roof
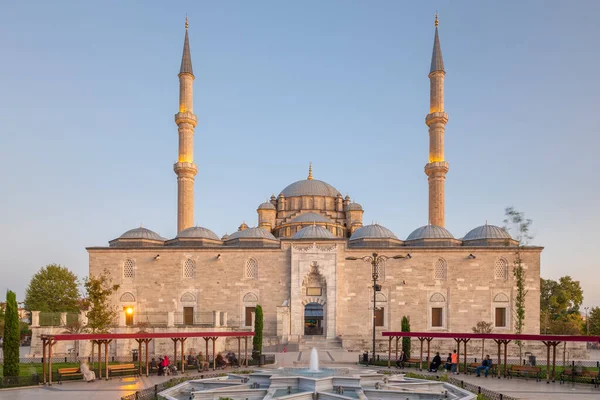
{"x": 313, "y": 232}
{"x": 374, "y": 231}
{"x": 266, "y": 206}
{"x": 487, "y": 232}
{"x": 252, "y": 233}
{"x": 311, "y": 217}
{"x": 141, "y": 233}
{"x": 197, "y": 232}
{"x": 310, "y": 187}
{"x": 430, "y": 232}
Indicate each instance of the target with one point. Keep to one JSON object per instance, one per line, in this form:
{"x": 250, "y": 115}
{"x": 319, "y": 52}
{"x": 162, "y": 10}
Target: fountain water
{"x": 314, "y": 361}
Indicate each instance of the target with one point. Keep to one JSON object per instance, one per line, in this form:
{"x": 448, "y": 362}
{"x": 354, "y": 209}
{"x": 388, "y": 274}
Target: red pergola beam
{"x": 498, "y": 336}
{"x": 107, "y": 336}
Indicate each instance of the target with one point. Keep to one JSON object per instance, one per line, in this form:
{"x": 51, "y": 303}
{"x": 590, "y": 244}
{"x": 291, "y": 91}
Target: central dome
{"x": 310, "y": 187}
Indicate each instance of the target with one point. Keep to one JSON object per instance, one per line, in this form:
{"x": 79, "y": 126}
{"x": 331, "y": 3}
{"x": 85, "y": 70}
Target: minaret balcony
{"x": 186, "y": 117}
{"x": 436, "y": 118}
{"x": 438, "y": 167}
{"x": 185, "y": 168}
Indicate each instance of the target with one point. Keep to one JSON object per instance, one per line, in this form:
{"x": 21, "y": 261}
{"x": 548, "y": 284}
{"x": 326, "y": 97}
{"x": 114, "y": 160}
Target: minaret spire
{"x": 186, "y": 122}
{"x": 436, "y": 120}
{"x": 310, "y": 177}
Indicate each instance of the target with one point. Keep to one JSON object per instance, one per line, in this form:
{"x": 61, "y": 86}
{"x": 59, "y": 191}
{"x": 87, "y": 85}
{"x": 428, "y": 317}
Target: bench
{"x": 525, "y": 370}
{"x": 585, "y": 374}
{"x": 413, "y": 361}
{"x": 472, "y": 368}
{"x": 68, "y": 372}
{"x": 122, "y": 369}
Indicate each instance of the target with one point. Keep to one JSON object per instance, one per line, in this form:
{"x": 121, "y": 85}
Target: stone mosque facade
{"x": 294, "y": 263}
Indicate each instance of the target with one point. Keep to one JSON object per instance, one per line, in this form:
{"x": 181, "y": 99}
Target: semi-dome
{"x": 313, "y": 232}
{"x": 311, "y": 217}
{"x": 374, "y": 231}
{"x": 354, "y": 207}
{"x": 310, "y": 187}
{"x": 430, "y": 232}
{"x": 197, "y": 232}
{"x": 487, "y": 232}
{"x": 141, "y": 233}
{"x": 266, "y": 206}
{"x": 252, "y": 233}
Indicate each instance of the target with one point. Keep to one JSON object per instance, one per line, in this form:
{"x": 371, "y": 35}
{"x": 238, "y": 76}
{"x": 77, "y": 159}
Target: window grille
{"x": 189, "y": 268}
{"x": 128, "y": 269}
{"x": 251, "y": 271}
{"x": 501, "y": 269}
{"x": 440, "y": 269}
{"x": 380, "y": 270}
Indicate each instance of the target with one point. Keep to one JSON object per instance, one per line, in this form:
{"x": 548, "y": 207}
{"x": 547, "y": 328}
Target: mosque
{"x": 302, "y": 263}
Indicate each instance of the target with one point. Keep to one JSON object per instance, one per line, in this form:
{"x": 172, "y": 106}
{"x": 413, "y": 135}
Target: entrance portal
{"x": 313, "y": 319}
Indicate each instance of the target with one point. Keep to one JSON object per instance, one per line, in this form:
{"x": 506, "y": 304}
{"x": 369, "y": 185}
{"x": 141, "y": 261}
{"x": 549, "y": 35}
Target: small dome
{"x": 311, "y": 217}
{"x": 225, "y": 237}
{"x": 313, "y": 232}
{"x": 310, "y": 187}
{"x": 267, "y": 206}
{"x": 430, "y": 232}
{"x": 141, "y": 233}
{"x": 487, "y": 232}
{"x": 197, "y": 232}
{"x": 252, "y": 233}
{"x": 374, "y": 231}
{"x": 354, "y": 207}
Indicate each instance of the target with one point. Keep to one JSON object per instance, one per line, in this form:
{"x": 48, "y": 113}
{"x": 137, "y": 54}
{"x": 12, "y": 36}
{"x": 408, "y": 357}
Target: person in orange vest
{"x": 455, "y": 362}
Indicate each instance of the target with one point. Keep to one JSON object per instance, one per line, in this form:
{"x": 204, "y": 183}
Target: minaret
{"x": 436, "y": 120}
{"x": 186, "y": 122}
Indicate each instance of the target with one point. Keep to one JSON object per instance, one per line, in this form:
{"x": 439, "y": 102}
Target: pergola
{"x": 500, "y": 339}
{"x": 142, "y": 337}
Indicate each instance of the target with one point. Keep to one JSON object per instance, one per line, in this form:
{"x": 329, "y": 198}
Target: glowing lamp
{"x": 129, "y": 310}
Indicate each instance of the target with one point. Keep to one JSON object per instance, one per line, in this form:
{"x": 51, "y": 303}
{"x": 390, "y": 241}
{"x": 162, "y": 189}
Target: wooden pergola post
{"x": 499, "y": 357}
{"x": 51, "y": 343}
{"x": 554, "y": 344}
{"x": 99, "y": 359}
{"x": 44, "y": 344}
{"x": 465, "y": 341}
{"x": 175, "y": 350}
{"x": 214, "y": 339}
{"x": 239, "y": 350}
{"x": 457, "y": 354}
{"x": 547, "y": 361}
{"x": 146, "y": 341}
{"x": 421, "y": 339}
{"x": 506, "y": 342}
{"x": 390, "y": 352}
{"x": 139, "y": 341}
{"x": 182, "y": 355}
{"x": 429, "y": 339}
{"x": 246, "y": 348}
{"x": 397, "y": 339}
{"x": 106, "y": 342}
{"x": 206, "y": 339}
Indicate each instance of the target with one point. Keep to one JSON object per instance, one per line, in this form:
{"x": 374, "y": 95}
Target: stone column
{"x": 223, "y": 318}
{"x": 217, "y": 319}
{"x": 35, "y": 319}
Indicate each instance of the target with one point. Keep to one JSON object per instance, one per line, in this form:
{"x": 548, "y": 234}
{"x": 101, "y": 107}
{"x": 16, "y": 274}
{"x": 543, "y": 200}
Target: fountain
{"x": 342, "y": 383}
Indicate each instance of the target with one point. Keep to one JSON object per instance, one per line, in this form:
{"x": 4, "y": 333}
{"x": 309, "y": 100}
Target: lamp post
{"x": 374, "y": 259}
{"x": 587, "y": 323}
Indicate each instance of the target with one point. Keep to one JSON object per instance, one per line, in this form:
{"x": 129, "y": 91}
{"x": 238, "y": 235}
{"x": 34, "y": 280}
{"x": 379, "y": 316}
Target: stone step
{"x": 319, "y": 343}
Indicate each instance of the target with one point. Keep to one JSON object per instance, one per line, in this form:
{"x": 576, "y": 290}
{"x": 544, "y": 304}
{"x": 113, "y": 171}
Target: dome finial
{"x": 437, "y": 22}
{"x": 187, "y": 25}
{"x": 310, "y": 177}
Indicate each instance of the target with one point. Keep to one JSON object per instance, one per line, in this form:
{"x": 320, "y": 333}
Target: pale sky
{"x": 88, "y": 91}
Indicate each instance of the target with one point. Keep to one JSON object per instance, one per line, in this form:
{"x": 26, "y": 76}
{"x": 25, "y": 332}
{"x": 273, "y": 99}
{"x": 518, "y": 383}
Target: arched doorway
{"x": 313, "y": 319}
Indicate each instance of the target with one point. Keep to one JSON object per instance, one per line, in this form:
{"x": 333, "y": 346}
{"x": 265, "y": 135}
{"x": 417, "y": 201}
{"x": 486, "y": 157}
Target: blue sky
{"x": 88, "y": 91}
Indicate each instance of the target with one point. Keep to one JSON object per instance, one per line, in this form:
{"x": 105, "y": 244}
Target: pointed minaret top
{"x": 310, "y": 177}
{"x": 437, "y": 62}
{"x": 186, "y": 60}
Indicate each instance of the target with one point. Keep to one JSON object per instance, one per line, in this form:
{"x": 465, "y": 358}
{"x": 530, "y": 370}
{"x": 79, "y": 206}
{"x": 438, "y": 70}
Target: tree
{"x": 53, "y": 288}
{"x": 559, "y": 305}
{"x": 10, "y": 345}
{"x": 258, "y": 330}
{"x": 517, "y": 219}
{"x": 76, "y": 328}
{"x": 101, "y": 314}
{"x": 594, "y": 321}
{"x": 406, "y": 340}
{"x": 483, "y": 327}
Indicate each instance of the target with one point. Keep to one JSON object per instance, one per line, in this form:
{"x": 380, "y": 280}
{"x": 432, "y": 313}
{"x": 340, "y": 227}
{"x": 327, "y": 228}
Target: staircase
{"x": 320, "y": 343}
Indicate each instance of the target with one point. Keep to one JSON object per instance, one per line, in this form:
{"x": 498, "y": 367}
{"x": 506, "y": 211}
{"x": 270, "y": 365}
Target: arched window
{"x": 188, "y": 298}
{"x": 437, "y": 311}
{"x": 251, "y": 270}
{"x": 127, "y": 297}
{"x": 128, "y": 269}
{"x": 189, "y": 268}
{"x": 440, "y": 269}
{"x": 501, "y": 269}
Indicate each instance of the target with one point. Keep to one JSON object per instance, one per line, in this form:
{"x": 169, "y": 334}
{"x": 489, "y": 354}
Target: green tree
{"x": 53, "y": 288}
{"x": 101, "y": 314}
{"x": 483, "y": 327}
{"x": 520, "y": 225}
{"x": 258, "y": 331}
{"x": 594, "y": 321}
{"x": 559, "y": 306}
{"x": 406, "y": 340}
{"x": 10, "y": 345}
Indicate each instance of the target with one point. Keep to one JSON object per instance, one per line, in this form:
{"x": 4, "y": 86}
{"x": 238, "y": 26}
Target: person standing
{"x": 455, "y": 362}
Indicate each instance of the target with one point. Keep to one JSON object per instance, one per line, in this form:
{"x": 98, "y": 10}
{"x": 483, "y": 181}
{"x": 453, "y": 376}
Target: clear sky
{"x": 88, "y": 91}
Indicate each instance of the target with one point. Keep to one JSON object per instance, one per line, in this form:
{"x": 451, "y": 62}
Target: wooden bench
{"x": 122, "y": 369}
{"x": 413, "y": 361}
{"x": 525, "y": 370}
{"x": 585, "y": 374}
{"x": 472, "y": 368}
{"x": 68, "y": 372}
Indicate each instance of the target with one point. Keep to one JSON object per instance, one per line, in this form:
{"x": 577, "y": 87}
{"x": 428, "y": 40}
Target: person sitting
{"x": 486, "y": 364}
{"x": 153, "y": 365}
{"x": 202, "y": 363}
{"x": 435, "y": 363}
{"x": 191, "y": 360}
{"x": 88, "y": 375}
{"x": 448, "y": 364}
{"x": 401, "y": 360}
{"x": 232, "y": 358}
{"x": 161, "y": 366}
{"x": 220, "y": 361}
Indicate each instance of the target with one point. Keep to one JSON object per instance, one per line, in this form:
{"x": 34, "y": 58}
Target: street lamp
{"x": 374, "y": 259}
